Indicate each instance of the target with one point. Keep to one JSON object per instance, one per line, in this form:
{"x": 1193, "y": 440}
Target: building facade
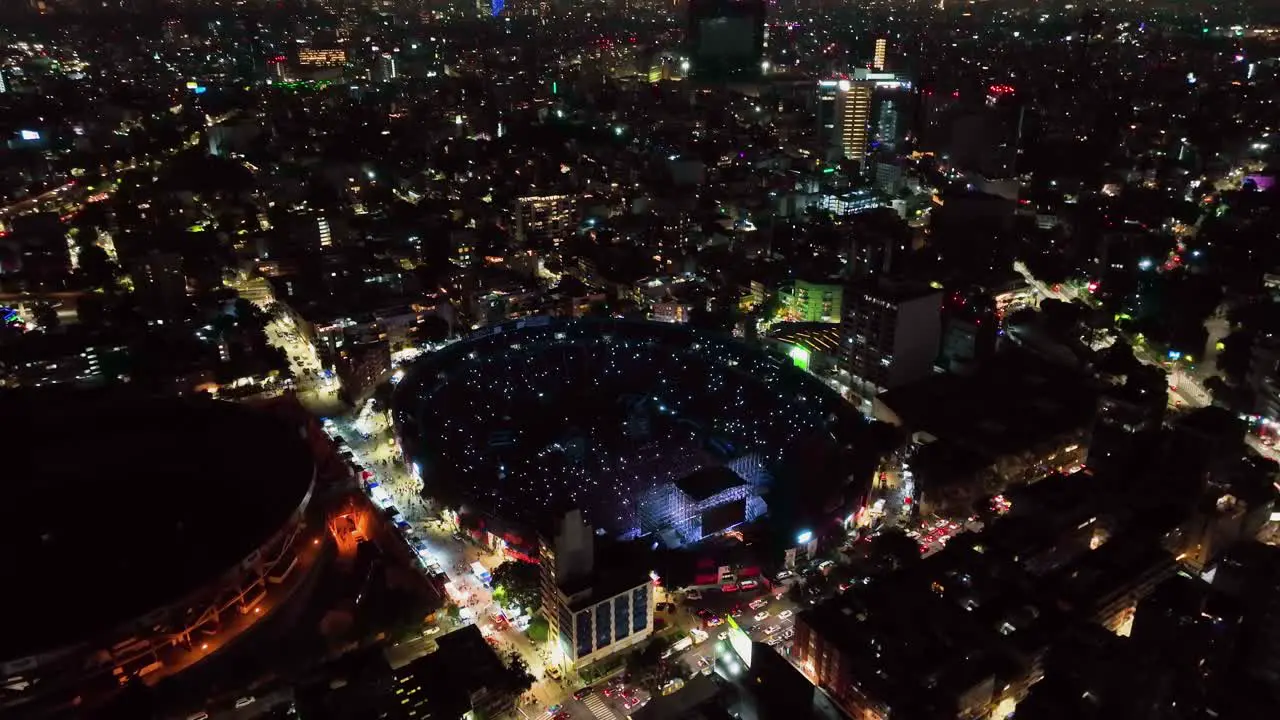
{"x": 591, "y": 614}
{"x": 543, "y": 220}
{"x": 891, "y": 333}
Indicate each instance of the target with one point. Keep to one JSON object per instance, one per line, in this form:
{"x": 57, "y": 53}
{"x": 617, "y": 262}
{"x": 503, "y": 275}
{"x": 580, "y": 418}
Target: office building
{"x": 360, "y": 365}
{"x": 384, "y": 69}
{"x": 543, "y": 220}
{"x": 464, "y": 678}
{"x": 811, "y": 301}
{"x": 726, "y": 39}
{"x": 844, "y": 117}
{"x": 891, "y": 332}
{"x": 594, "y": 609}
{"x": 877, "y": 60}
{"x": 322, "y": 57}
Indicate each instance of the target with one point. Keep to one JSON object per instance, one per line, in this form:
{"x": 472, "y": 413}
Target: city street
{"x": 376, "y": 452}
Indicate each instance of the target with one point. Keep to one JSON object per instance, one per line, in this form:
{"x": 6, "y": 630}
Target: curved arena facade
{"x": 151, "y": 529}
{"x": 651, "y": 429}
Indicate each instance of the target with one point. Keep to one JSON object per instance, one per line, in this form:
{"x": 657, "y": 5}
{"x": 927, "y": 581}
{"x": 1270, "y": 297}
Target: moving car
{"x": 583, "y": 692}
{"x": 757, "y": 603}
{"x": 748, "y": 585}
{"x": 245, "y": 701}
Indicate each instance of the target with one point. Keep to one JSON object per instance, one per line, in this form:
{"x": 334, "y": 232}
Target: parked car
{"x": 245, "y": 701}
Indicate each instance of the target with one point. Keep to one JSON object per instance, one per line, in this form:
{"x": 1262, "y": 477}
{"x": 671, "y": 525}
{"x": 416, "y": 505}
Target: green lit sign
{"x": 799, "y": 356}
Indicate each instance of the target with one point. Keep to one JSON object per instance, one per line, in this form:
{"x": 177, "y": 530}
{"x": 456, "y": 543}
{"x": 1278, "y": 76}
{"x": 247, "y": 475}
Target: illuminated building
{"x": 851, "y": 202}
{"x": 877, "y": 62}
{"x": 322, "y": 57}
{"x": 593, "y": 610}
{"x": 815, "y": 301}
{"x": 323, "y": 235}
{"x": 544, "y": 220}
{"x": 726, "y": 38}
{"x": 844, "y": 116}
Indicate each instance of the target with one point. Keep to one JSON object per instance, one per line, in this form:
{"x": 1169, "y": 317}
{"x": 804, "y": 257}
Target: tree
{"x": 45, "y": 315}
{"x": 518, "y": 678}
{"x": 518, "y": 583}
{"x": 538, "y": 629}
{"x": 1233, "y": 359}
{"x": 648, "y": 658}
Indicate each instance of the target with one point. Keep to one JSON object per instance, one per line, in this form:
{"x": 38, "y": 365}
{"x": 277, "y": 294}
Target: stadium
{"x": 651, "y": 429}
{"x": 151, "y": 533}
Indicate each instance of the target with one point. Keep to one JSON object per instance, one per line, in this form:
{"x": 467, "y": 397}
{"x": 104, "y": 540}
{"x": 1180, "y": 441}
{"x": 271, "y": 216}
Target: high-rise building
{"x": 890, "y": 333}
{"x": 593, "y": 609}
{"x": 844, "y": 117}
{"x": 543, "y": 220}
{"x": 726, "y": 38}
{"x": 384, "y": 69}
{"x": 877, "y": 61}
{"x": 1127, "y": 427}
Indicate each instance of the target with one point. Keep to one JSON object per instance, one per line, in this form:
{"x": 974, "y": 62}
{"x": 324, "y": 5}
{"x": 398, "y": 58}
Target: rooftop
{"x": 107, "y": 527}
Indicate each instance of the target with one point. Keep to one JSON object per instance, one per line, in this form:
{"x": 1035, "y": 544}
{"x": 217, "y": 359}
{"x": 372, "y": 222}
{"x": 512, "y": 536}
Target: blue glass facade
{"x": 583, "y": 626}
{"x": 621, "y": 617}
{"x": 604, "y": 625}
{"x": 640, "y": 608}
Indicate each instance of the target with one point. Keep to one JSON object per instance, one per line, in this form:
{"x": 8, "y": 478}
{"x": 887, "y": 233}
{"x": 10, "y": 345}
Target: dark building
{"x": 779, "y": 688}
{"x": 359, "y": 366}
{"x": 1127, "y": 427}
{"x": 160, "y": 284}
{"x": 34, "y": 255}
{"x": 726, "y": 39}
{"x": 890, "y": 333}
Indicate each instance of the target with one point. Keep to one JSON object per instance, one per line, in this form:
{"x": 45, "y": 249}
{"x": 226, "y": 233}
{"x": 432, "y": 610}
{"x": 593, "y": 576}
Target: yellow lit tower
{"x": 853, "y": 118}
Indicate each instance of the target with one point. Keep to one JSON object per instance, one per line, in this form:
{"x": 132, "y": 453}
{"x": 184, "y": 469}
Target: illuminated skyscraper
{"x": 877, "y": 62}
{"x": 853, "y": 118}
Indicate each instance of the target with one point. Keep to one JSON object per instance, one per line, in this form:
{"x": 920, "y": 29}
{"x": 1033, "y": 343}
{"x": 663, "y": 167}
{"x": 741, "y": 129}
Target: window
{"x": 640, "y": 608}
{"x": 621, "y": 617}
{"x": 604, "y": 628}
{"x": 583, "y": 625}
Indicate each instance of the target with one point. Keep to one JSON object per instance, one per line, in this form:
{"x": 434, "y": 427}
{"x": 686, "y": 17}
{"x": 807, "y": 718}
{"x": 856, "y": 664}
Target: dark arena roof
{"x": 119, "y": 506}
{"x": 523, "y": 420}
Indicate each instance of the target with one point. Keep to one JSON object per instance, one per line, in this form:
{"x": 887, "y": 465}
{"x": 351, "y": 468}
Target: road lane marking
{"x": 598, "y": 708}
